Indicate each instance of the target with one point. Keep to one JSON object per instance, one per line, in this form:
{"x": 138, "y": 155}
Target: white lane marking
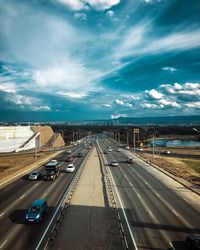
{"x": 36, "y": 184}
{"x": 139, "y": 196}
{"x": 153, "y": 217}
{"x": 2, "y": 214}
{"x": 3, "y": 243}
{"x": 176, "y": 213}
{"x": 22, "y": 196}
{"x": 124, "y": 213}
{"x": 157, "y": 194}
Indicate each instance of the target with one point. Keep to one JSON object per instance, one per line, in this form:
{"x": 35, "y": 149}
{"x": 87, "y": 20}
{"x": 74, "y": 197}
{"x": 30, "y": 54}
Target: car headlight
{"x": 37, "y": 216}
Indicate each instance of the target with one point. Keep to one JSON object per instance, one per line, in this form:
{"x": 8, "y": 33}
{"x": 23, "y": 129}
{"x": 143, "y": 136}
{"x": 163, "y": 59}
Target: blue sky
{"x": 98, "y": 59}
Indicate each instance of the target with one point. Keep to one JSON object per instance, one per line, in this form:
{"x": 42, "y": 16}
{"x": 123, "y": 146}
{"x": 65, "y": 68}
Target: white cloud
{"x": 151, "y": 1}
{"x": 138, "y": 42}
{"x": 67, "y": 76}
{"x": 72, "y": 4}
{"x": 83, "y": 4}
{"x": 41, "y": 108}
{"x": 195, "y": 105}
{"x": 107, "y": 105}
{"x": 110, "y": 13}
{"x": 23, "y": 99}
{"x": 8, "y": 87}
{"x": 165, "y": 103}
{"x": 80, "y": 16}
{"x": 148, "y": 105}
{"x": 115, "y": 116}
{"x": 124, "y": 104}
{"x": 73, "y": 95}
{"x": 154, "y": 94}
{"x": 169, "y": 69}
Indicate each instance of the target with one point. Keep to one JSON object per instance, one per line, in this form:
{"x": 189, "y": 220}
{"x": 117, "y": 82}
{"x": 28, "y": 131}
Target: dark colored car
{"x": 79, "y": 154}
{"x": 193, "y": 242}
{"x": 129, "y": 159}
{"x": 37, "y": 211}
{"x": 69, "y": 159}
{"x": 49, "y": 176}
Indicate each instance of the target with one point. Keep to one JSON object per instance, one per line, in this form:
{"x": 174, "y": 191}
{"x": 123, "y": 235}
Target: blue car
{"x": 37, "y": 211}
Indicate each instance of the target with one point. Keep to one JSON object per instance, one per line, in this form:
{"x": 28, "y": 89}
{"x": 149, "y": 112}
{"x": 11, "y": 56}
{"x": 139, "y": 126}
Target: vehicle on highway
{"x": 68, "y": 151}
{"x": 167, "y": 152}
{"x": 193, "y": 242}
{"x": 35, "y": 175}
{"x": 118, "y": 150}
{"x": 114, "y": 163}
{"x": 129, "y": 159}
{"x": 37, "y": 211}
{"x": 80, "y": 154}
{"x": 70, "y": 168}
{"x": 69, "y": 159}
{"x": 105, "y": 152}
{"x": 109, "y": 149}
{"x": 127, "y": 147}
{"x": 52, "y": 170}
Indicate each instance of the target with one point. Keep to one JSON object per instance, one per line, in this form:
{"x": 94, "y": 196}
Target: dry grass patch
{"x": 189, "y": 169}
{"x": 13, "y": 163}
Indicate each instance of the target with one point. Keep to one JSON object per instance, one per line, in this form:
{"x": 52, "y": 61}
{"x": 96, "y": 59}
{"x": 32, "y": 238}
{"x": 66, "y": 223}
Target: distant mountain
{"x": 169, "y": 120}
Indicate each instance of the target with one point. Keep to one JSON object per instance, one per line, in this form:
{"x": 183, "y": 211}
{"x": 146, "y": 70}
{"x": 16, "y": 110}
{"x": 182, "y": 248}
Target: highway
{"x": 17, "y": 197}
{"x": 159, "y": 210}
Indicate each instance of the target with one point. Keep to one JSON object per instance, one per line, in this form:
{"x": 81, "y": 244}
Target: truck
{"x": 51, "y": 170}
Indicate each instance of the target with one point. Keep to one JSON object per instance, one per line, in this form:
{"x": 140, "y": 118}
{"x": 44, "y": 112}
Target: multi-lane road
{"x": 16, "y": 198}
{"x": 154, "y": 208}
{"x": 158, "y": 210}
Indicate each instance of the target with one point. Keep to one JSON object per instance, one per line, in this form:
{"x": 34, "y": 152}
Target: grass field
{"x": 188, "y": 169}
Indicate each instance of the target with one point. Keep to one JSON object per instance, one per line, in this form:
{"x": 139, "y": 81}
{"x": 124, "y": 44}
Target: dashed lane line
{"x": 3, "y": 244}
{"x": 22, "y": 196}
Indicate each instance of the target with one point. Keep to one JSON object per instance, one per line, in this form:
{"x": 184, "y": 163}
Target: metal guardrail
{"x": 113, "y": 200}
{"x": 51, "y": 231}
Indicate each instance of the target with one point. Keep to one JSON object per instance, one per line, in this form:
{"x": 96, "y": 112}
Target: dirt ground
{"x": 188, "y": 169}
{"x": 11, "y": 164}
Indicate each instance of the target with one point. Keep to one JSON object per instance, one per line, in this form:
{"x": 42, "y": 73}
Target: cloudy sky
{"x": 98, "y": 59}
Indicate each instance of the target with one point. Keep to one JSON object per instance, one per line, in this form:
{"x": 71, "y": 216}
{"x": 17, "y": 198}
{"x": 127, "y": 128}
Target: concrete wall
{"x": 12, "y": 137}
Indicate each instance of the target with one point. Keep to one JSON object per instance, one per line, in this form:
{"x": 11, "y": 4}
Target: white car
{"x": 127, "y": 147}
{"x": 119, "y": 150}
{"x": 54, "y": 161}
{"x": 69, "y": 152}
{"x": 70, "y": 168}
{"x": 34, "y": 175}
{"x": 114, "y": 163}
{"x": 109, "y": 149}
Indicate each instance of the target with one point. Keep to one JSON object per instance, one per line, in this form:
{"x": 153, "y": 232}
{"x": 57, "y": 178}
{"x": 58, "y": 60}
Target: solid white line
{"x": 3, "y": 243}
{"x": 22, "y": 196}
{"x": 124, "y": 213}
{"x": 2, "y": 214}
{"x": 139, "y": 196}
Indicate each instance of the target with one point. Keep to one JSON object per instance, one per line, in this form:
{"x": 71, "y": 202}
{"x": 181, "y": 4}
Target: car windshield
{"x": 35, "y": 209}
{"x": 71, "y": 166}
{"x": 34, "y": 173}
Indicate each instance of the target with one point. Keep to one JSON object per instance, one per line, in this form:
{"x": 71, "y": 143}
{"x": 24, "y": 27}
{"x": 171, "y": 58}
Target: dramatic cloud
{"x": 99, "y": 58}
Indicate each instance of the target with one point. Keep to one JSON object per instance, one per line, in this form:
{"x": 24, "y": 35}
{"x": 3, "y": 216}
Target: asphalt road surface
{"x": 158, "y": 209}
{"x": 16, "y": 198}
